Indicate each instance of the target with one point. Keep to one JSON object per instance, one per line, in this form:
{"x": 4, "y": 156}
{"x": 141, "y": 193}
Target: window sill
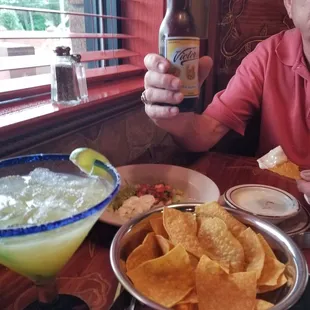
{"x": 38, "y": 119}
{"x": 29, "y": 85}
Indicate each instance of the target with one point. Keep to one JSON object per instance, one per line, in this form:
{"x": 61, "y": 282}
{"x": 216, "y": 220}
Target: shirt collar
{"x": 289, "y": 50}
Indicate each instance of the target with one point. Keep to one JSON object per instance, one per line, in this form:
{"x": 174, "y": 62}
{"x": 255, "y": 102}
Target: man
{"x": 274, "y": 78}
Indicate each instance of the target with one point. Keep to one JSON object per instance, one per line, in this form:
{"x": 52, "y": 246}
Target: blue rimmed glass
{"x": 40, "y": 251}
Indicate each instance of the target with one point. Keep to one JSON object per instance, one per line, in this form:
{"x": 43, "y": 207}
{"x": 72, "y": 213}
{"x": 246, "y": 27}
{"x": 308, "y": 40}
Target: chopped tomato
{"x": 160, "y": 188}
{"x": 161, "y": 192}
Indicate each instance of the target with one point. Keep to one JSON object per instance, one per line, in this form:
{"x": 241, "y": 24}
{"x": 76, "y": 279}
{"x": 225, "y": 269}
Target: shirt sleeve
{"x": 234, "y": 106}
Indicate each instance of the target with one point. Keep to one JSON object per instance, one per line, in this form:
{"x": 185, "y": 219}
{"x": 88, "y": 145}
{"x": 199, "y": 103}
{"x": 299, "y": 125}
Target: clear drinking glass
{"x": 40, "y": 251}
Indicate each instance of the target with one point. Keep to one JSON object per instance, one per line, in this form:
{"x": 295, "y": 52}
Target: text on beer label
{"x": 185, "y": 55}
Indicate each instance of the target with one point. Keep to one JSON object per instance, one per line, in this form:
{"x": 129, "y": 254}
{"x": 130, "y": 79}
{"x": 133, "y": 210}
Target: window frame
{"x": 104, "y": 94}
{"x": 91, "y": 23}
{"x": 112, "y": 8}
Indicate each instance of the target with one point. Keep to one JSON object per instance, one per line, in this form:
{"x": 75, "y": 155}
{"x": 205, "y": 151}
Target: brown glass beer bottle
{"x": 178, "y": 42}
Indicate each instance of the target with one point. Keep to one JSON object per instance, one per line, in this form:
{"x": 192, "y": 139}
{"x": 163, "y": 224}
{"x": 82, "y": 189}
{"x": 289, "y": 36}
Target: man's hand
{"x": 160, "y": 86}
{"x": 304, "y": 184}
{"x": 194, "y": 132}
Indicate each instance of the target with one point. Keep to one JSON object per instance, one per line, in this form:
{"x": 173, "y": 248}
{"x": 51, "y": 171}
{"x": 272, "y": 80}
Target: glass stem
{"x": 47, "y": 292}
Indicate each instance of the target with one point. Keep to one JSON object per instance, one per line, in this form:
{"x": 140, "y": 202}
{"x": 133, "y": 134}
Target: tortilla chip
{"x": 164, "y": 244}
{"x": 136, "y": 235}
{"x": 268, "y": 250}
{"x": 194, "y": 260}
{"x": 271, "y": 272}
{"x": 289, "y": 273}
{"x": 253, "y": 251}
{"x": 265, "y": 288}
{"x": 182, "y": 229}
{"x": 262, "y": 305}
{"x": 215, "y": 210}
{"x": 217, "y": 290}
{"x": 186, "y": 307}
{"x": 287, "y": 169}
{"x": 167, "y": 279}
{"x": 191, "y": 298}
{"x": 273, "y": 268}
{"x": 148, "y": 250}
{"x": 123, "y": 265}
{"x": 158, "y": 227}
{"x": 215, "y": 237}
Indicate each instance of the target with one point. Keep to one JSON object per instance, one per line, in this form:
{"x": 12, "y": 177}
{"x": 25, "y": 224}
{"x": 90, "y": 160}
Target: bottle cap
{"x": 62, "y": 50}
{"x": 77, "y": 57}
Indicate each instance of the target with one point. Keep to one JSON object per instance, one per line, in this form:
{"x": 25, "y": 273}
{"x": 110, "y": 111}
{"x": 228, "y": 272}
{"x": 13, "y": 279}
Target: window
{"x": 113, "y": 37}
{"x": 30, "y": 31}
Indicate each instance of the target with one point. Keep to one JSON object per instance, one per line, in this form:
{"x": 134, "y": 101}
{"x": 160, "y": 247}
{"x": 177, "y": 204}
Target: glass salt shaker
{"x": 81, "y": 76}
{"x": 64, "y": 84}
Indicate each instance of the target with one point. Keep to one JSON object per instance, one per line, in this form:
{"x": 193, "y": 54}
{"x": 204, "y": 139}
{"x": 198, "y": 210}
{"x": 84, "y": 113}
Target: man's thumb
{"x": 305, "y": 175}
{"x": 205, "y": 66}
{"x": 304, "y": 187}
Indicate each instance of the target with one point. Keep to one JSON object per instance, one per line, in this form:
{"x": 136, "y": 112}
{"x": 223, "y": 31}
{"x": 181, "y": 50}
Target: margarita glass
{"x": 47, "y": 208}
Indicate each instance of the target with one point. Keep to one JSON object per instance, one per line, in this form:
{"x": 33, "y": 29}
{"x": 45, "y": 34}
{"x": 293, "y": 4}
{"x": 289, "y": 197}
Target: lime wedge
{"x": 84, "y": 158}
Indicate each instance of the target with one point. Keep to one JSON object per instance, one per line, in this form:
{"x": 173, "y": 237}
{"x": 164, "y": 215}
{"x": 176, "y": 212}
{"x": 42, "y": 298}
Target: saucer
{"x": 267, "y": 202}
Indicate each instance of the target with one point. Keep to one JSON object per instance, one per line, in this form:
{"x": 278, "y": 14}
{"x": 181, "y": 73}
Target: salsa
{"x": 164, "y": 194}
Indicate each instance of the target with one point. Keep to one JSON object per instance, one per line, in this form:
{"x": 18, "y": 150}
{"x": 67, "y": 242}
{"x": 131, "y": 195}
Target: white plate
{"x": 196, "y": 186}
{"x": 268, "y": 202}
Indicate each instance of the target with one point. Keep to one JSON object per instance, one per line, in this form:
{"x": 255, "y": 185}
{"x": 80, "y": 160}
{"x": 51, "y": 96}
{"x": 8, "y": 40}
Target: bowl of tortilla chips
{"x": 205, "y": 256}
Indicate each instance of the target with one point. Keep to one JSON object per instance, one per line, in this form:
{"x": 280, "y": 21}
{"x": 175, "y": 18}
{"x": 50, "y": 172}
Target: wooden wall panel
{"x": 126, "y": 138}
{"x": 235, "y": 28}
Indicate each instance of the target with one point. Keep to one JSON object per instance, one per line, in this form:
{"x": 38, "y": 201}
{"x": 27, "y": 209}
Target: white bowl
{"x": 196, "y": 186}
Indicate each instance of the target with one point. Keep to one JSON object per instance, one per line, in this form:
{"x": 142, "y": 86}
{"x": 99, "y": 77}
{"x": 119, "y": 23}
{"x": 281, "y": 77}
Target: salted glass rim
{"x": 33, "y": 229}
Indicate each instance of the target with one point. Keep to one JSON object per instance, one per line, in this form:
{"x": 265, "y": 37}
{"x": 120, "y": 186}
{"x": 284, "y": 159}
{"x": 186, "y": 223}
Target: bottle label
{"x": 183, "y": 54}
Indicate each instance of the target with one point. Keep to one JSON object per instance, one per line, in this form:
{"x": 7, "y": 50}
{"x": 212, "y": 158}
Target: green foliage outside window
{"x": 9, "y": 20}
{"x": 20, "y": 20}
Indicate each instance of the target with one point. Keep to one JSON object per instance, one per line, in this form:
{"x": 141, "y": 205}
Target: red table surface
{"x": 89, "y": 275}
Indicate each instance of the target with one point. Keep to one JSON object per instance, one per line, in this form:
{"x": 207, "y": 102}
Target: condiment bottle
{"x": 64, "y": 84}
{"x": 81, "y": 76}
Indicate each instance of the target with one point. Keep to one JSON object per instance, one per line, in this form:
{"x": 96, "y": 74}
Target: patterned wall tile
{"x": 126, "y": 138}
{"x": 140, "y": 130}
{"x": 112, "y": 140}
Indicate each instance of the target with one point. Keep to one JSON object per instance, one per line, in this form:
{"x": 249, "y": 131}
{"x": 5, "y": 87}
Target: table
{"x": 89, "y": 275}
{"x": 227, "y": 171}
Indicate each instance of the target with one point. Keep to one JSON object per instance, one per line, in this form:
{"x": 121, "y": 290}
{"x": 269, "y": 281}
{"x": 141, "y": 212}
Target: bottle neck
{"x": 178, "y": 4}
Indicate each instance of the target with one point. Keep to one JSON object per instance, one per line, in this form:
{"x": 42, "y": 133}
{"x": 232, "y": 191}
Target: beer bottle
{"x": 178, "y": 42}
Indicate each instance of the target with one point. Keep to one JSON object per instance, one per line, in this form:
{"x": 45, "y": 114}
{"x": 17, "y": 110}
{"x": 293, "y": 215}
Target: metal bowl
{"x": 283, "y": 246}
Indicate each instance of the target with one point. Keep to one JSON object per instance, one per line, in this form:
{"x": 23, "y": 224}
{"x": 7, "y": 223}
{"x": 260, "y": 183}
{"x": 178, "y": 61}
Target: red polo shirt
{"x": 275, "y": 79}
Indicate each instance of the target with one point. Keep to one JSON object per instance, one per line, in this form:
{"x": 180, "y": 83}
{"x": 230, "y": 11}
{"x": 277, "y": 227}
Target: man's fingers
{"x": 163, "y": 96}
{"x": 154, "y": 62}
{"x": 159, "y": 64}
{"x": 159, "y": 80}
{"x": 304, "y": 187}
{"x": 160, "y": 112}
{"x": 305, "y": 175}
